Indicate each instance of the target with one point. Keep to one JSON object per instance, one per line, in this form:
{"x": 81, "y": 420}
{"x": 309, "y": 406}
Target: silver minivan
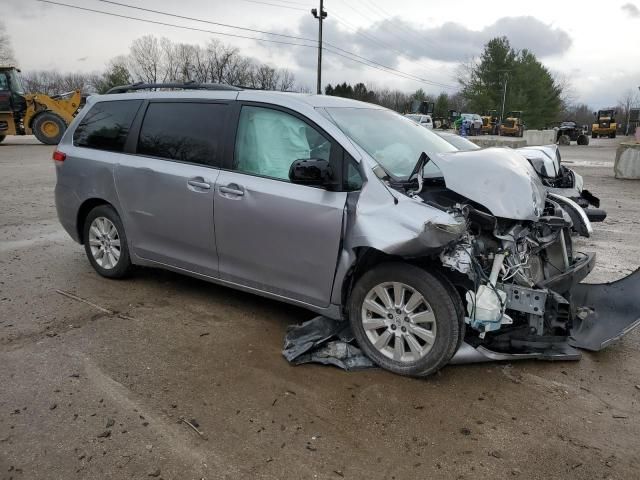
{"x": 342, "y": 207}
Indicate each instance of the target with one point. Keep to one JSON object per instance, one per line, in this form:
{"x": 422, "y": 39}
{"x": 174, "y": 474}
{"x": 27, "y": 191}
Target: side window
{"x": 106, "y": 125}
{"x": 269, "y": 141}
{"x": 4, "y": 84}
{"x": 188, "y": 132}
{"x": 352, "y": 177}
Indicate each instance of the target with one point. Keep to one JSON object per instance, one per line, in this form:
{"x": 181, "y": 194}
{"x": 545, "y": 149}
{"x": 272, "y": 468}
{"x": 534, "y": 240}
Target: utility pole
{"x": 320, "y": 16}
{"x": 504, "y": 95}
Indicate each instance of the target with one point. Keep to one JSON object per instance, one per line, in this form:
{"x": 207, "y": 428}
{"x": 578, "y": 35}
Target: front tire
{"x": 2, "y": 137}
{"x": 105, "y": 242}
{"x": 405, "y": 319}
{"x": 48, "y": 128}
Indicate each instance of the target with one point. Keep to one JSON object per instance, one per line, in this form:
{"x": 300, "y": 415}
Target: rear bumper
{"x": 67, "y": 205}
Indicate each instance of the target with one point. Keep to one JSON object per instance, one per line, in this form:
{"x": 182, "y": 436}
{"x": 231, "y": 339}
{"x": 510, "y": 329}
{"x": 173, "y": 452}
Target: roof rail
{"x": 183, "y": 86}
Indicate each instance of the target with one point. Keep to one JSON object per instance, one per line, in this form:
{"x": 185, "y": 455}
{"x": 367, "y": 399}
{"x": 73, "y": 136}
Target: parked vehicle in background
{"x": 345, "y": 208}
{"x": 423, "y": 120}
{"x": 605, "y": 124}
{"x": 512, "y": 125}
{"x": 569, "y": 132}
{"x": 37, "y": 114}
{"x": 473, "y": 120}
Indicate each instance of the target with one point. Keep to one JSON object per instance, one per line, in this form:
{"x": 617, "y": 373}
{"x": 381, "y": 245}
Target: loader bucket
{"x": 605, "y": 312}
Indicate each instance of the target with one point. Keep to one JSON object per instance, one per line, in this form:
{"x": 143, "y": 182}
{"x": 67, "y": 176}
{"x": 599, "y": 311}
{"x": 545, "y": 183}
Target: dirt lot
{"x": 88, "y": 395}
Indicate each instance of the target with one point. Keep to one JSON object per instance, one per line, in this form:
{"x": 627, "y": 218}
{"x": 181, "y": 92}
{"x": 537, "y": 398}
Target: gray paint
{"x": 498, "y": 178}
{"x": 291, "y": 242}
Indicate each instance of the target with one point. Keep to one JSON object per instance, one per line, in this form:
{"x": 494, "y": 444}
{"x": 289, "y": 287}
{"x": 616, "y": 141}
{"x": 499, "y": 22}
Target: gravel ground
{"x": 88, "y": 394}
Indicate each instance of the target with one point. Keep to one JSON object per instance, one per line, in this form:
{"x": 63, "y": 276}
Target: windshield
{"x": 459, "y": 142}
{"x": 395, "y": 142}
{"x": 16, "y": 82}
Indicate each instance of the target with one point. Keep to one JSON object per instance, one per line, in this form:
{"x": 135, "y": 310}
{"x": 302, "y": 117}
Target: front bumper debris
{"x": 605, "y": 312}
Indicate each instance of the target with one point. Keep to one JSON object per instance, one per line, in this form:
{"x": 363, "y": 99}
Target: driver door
{"x": 272, "y": 235}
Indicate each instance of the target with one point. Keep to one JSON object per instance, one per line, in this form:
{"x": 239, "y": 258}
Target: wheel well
{"x": 84, "y": 210}
{"x": 368, "y": 257}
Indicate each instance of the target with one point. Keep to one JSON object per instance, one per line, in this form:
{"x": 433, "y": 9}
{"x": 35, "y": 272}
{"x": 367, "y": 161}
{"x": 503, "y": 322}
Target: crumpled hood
{"x": 544, "y": 158}
{"x": 500, "y": 179}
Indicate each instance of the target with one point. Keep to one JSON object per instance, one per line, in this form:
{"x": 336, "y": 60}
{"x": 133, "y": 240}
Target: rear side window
{"x": 186, "y": 132}
{"x": 106, "y": 125}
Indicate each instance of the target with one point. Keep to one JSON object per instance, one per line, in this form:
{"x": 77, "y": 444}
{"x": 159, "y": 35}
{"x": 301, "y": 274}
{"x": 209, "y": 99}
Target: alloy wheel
{"x": 398, "y": 321}
{"x": 104, "y": 242}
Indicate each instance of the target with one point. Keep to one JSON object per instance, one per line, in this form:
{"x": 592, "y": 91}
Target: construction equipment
{"x": 490, "y": 121}
{"x": 44, "y": 116}
{"x": 605, "y": 125}
{"x": 512, "y": 125}
{"x": 420, "y": 107}
{"x": 569, "y": 132}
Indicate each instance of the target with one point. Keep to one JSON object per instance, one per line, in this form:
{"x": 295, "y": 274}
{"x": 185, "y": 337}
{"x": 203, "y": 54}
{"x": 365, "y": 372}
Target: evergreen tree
{"x": 530, "y": 86}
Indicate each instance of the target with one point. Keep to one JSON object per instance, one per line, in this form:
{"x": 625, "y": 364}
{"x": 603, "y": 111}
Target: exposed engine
{"x": 510, "y": 271}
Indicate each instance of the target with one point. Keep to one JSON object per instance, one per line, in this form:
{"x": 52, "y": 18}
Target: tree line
{"x": 159, "y": 60}
{"x": 397, "y": 99}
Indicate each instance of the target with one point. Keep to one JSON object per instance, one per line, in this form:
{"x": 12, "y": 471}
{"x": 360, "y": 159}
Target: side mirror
{"x": 311, "y": 171}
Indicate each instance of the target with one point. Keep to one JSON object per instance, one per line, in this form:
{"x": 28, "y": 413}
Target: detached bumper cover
{"x": 605, "y": 312}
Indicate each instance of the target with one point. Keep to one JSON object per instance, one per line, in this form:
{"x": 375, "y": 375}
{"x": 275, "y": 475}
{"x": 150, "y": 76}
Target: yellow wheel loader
{"x": 512, "y": 125}
{"x": 490, "y": 121}
{"x": 605, "y": 124}
{"x": 21, "y": 113}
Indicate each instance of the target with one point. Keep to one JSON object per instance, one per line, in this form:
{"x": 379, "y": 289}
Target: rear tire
{"x": 593, "y": 135}
{"x": 49, "y": 128}
{"x": 423, "y": 336}
{"x": 105, "y": 242}
{"x": 2, "y": 137}
{"x": 564, "y": 140}
{"x": 583, "y": 140}
{"x": 613, "y": 135}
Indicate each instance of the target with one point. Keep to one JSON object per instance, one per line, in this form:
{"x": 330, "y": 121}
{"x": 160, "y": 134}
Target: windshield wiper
{"x": 414, "y": 181}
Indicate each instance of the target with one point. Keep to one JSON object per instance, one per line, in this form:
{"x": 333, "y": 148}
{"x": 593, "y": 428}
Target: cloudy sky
{"x": 597, "y": 49}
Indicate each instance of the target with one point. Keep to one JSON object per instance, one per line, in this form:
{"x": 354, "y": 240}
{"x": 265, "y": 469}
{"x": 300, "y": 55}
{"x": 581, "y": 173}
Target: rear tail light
{"x": 59, "y": 156}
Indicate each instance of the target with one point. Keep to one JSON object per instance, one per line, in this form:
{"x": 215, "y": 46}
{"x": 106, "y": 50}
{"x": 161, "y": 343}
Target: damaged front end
{"x": 520, "y": 283}
{"x": 561, "y": 180}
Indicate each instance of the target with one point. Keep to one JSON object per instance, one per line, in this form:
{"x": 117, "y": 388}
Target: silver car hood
{"x": 500, "y": 179}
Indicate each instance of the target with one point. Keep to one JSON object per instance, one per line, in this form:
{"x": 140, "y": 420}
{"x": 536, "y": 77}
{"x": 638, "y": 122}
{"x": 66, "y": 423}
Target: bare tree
{"x": 145, "y": 59}
{"x": 6, "y": 52}
{"x": 53, "y": 82}
{"x": 287, "y": 81}
{"x": 626, "y": 102}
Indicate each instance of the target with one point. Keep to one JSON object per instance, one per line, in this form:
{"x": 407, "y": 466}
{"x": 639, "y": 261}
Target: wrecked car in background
{"x": 556, "y": 177}
{"x": 432, "y": 255}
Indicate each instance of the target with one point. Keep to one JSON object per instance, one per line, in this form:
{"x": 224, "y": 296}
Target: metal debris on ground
{"x": 195, "y": 429}
{"x": 326, "y": 341}
{"x": 91, "y": 304}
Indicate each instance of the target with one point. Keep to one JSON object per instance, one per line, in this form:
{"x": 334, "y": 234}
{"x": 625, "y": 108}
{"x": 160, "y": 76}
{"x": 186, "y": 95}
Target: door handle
{"x": 199, "y": 184}
{"x": 232, "y": 189}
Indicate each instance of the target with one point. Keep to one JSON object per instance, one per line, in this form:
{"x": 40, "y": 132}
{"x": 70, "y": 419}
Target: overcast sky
{"x": 596, "y": 48}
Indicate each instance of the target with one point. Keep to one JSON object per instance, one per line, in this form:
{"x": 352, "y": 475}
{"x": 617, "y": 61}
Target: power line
{"x": 204, "y": 21}
{"x": 349, "y": 55}
{"x": 275, "y": 5}
{"x": 156, "y": 22}
{"x": 369, "y": 37}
